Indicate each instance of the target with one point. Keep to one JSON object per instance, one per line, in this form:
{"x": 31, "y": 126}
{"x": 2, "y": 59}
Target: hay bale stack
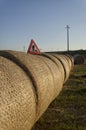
{"x": 28, "y": 84}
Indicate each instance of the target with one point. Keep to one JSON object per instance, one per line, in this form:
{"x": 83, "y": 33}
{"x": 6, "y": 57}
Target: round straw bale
{"x": 68, "y": 59}
{"x": 17, "y": 99}
{"x": 65, "y": 64}
{"x": 71, "y": 59}
{"x": 79, "y": 59}
{"x": 57, "y": 62}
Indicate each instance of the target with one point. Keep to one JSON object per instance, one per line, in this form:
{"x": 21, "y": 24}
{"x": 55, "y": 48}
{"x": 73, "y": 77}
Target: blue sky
{"x": 44, "y": 21}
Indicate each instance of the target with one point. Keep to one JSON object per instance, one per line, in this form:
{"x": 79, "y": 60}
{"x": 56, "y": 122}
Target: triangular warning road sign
{"x": 33, "y": 48}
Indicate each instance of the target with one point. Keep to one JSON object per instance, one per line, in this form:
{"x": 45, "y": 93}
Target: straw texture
{"x": 28, "y": 84}
{"x": 17, "y": 100}
{"x": 66, "y": 63}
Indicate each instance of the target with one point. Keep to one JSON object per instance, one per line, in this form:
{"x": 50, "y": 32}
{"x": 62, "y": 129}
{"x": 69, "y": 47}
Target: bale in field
{"x": 79, "y": 59}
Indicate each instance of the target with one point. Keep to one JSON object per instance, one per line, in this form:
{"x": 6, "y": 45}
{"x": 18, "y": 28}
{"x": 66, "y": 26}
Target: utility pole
{"x": 67, "y": 37}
